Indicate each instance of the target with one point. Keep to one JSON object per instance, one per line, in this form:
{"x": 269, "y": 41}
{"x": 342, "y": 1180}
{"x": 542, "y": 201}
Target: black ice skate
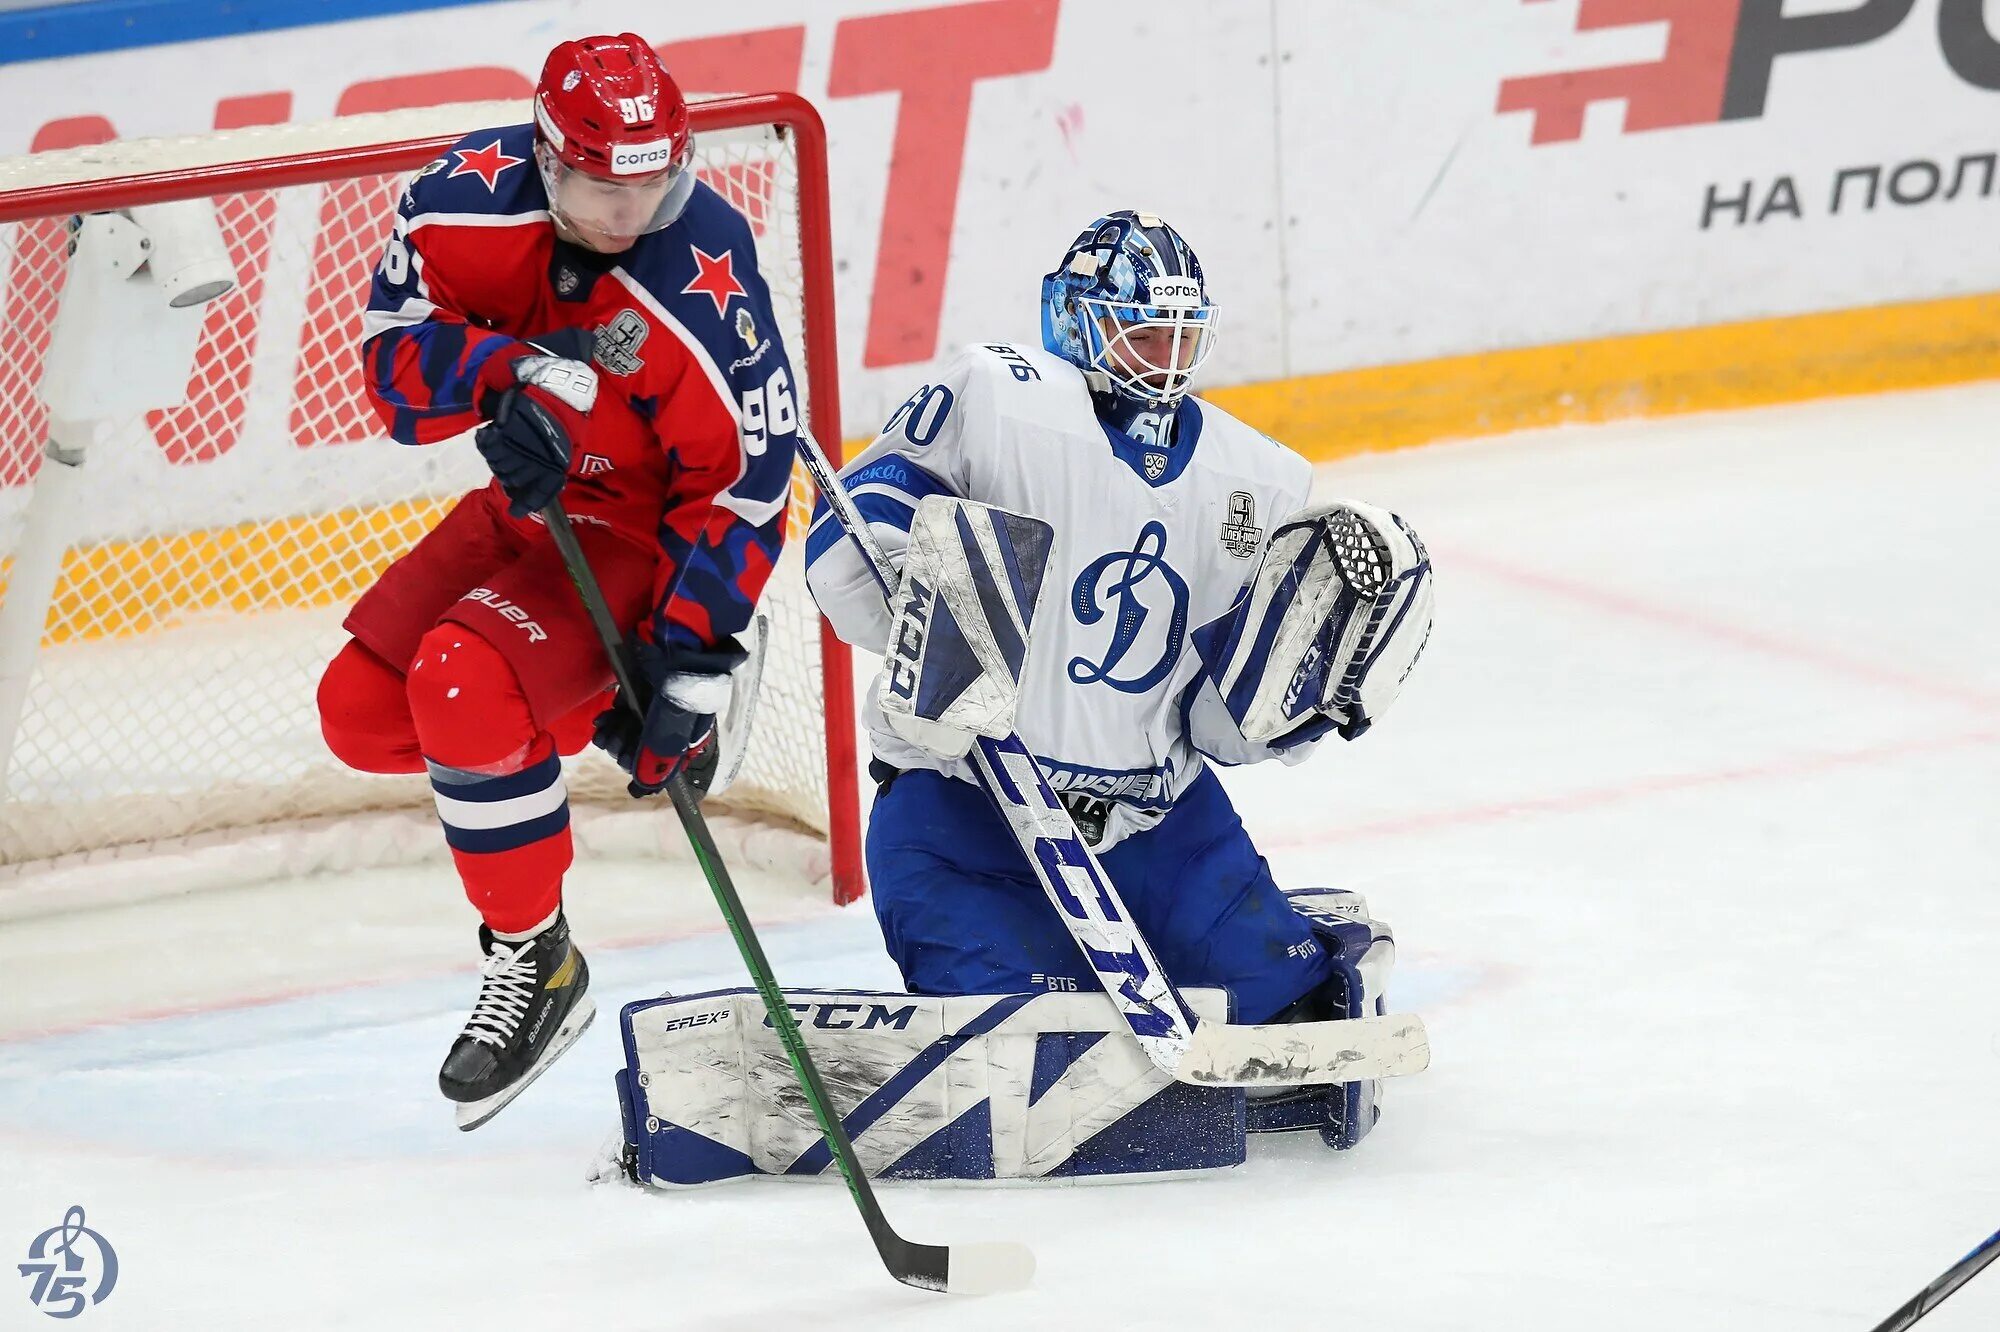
{"x": 532, "y": 1006}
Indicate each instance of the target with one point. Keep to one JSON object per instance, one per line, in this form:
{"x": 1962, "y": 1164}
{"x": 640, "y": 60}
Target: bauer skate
{"x": 533, "y": 1004}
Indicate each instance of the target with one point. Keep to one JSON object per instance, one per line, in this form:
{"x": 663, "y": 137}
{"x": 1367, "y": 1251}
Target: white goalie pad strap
{"x": 1335, "y": 617}
{"x": 958, "y": 637}
{"x": 1022, "y": 1086}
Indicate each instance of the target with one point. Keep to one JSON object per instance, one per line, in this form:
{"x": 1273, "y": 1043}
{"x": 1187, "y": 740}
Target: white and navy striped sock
{"x": 483, "y": 814}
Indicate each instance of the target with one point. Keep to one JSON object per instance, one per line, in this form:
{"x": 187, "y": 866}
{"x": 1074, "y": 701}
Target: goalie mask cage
{"x": 177, "y": 567}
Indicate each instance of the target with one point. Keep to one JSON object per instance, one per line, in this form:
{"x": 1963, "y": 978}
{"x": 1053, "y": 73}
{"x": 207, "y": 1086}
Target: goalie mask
{"x": 1128, "y": 306}
{"x": 612, "y": 141}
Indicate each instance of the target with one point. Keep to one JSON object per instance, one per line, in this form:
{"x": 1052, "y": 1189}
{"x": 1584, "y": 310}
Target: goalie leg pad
{"x": 1362, "y": 952}
{"x": 958, "y": 635}
{"x": 975, "y": 1087}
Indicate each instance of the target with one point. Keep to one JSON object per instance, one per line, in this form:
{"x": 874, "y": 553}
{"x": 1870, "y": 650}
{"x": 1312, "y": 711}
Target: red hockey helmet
{"x": 614, "y": 144}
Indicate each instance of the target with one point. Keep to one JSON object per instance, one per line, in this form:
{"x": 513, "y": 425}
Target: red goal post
{"x": 199, "y": 568}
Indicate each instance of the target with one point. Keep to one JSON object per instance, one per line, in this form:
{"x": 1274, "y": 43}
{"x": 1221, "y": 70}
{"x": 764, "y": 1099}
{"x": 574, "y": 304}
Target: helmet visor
{"x": 616, "y": 209}
{"x": 1149, "y": 351}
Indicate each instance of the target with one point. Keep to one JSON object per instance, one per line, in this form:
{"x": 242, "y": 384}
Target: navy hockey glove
{"x": 535, "y": 397}
{"x": 527, "y": 447}
{"x": 685, "y": 688}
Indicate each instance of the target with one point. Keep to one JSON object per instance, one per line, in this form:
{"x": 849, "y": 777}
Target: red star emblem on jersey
{"x": 488, "y": 163}
{"x": 715, "y": 278}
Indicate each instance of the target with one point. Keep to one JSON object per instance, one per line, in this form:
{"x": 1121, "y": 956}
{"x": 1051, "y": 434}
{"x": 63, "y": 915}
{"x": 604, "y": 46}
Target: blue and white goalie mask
{"x": 1129, "y": 307}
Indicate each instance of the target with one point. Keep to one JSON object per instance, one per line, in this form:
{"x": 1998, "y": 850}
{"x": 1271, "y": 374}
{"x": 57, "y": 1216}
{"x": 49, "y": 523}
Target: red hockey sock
{"x": 496, "y": 776}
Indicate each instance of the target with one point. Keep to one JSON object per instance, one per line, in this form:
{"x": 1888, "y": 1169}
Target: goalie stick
{"x": 959, "y": 1269}
{"x": 1210, "y": 1053}
{"x": 1931, "y": 1296}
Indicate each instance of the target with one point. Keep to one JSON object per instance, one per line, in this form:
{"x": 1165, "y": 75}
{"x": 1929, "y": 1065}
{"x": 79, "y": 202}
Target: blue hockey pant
{"x": 962, "y": 913}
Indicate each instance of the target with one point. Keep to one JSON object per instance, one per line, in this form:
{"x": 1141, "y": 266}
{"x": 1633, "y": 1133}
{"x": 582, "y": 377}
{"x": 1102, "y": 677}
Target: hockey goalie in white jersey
{"x": 1138, "y": 585}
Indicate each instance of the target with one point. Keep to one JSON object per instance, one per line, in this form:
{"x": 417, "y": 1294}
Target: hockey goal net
{"x": 201, "y": 557}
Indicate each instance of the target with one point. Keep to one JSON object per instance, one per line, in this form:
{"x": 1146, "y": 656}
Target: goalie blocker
{"x": 961, "y": 621}
{"x": 972, "y": 1087}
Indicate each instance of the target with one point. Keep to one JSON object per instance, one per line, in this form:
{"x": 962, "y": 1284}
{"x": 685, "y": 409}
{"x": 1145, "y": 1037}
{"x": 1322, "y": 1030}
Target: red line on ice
{"x": 1631, "y": 607}
{"x": 1639, "y": 789}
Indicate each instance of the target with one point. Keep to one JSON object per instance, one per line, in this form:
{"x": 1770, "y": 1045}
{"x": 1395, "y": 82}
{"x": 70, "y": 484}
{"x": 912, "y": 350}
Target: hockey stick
{"x": 1931, "y": 1296}
{"x": 1208, "y": 1053}
{"x": 961, "y": 1269}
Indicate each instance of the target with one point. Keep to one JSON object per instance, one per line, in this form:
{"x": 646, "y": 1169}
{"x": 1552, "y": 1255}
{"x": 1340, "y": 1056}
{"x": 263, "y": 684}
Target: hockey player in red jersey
{"x": 572, "y": 291}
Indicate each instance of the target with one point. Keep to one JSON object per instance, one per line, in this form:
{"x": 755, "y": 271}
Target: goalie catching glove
{"x": 1330, "y": 627}
{"x": 961, "y": 619}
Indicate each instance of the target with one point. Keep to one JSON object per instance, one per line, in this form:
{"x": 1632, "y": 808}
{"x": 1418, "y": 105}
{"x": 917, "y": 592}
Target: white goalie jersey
{"x": 1149, "y": 544}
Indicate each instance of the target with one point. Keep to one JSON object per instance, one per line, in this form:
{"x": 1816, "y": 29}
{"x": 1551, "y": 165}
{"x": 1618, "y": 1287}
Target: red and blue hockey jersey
{"x": 684, "y": 337}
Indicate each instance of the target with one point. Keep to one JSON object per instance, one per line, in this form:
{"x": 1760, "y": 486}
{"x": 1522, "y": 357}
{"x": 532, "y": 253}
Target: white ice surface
{"x": 1687, "y": 827}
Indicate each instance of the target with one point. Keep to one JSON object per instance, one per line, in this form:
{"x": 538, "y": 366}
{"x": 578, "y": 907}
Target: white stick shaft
{"x": 1076, "y": 884}
{"x": 827, "y": 482}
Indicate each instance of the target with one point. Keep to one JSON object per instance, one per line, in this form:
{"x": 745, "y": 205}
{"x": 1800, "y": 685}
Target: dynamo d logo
{"x": 65, "y": 1262}
{"x": 1110, "y": 585}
